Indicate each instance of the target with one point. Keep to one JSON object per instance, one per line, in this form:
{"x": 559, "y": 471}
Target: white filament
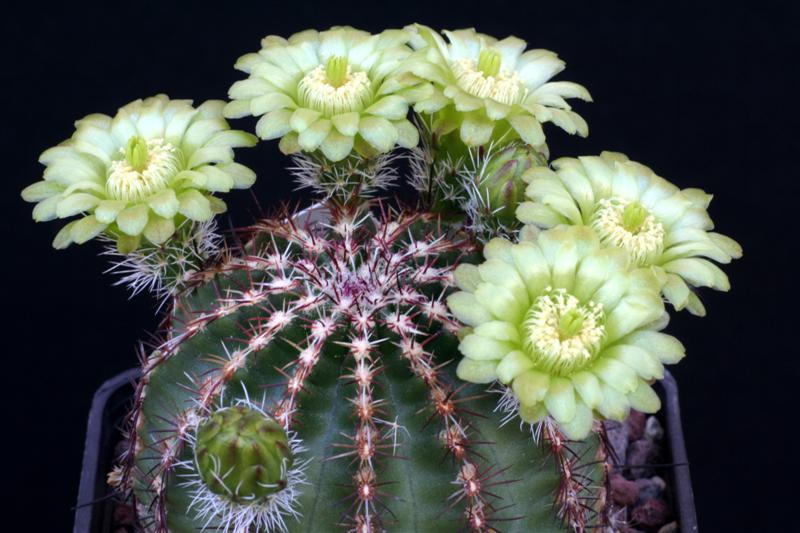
{"x": 642, "y": 243}
{"x": 353, "y": 94}
{"x": 128, "y": 184}
{"x": 547, "y": 342}
{"x": 506, "y": 87}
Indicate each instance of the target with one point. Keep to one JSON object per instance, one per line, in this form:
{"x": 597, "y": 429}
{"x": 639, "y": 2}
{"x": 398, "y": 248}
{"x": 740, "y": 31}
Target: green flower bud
{"x": 501, "y": 183}
{"x": 242, "y": 454}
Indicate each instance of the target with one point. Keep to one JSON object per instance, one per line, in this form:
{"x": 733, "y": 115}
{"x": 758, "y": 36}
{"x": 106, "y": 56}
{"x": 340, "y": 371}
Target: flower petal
{"x": 666, "y": 347}
{"x": 476, "y": 371}
{"x": 132, "y": 220}
{"x": 581, "y": 424}
{"x": 76, "y": 203}
{"x": 195, "y": 206}
{"x": 482, "y": 348}
{"x": 560, "y": 400}
{"x": 336, "y": 146}
{"x": 64, "y": 236}
{"x": 84, "y": 229}
{"x": 159, "y": 229}
{"x": 530, "y": 387}
{"x": 41, "y": 190}
{"x": 467, "y": 277}
{"x": 346, "y": 123}
{"x": 107, "y": 210}
{"x": 512, "y": 365}
{"x": 644, "y": 399}
{"x": 528, "y": 128}
{"x": 378, "y": 132}
{"x": 647, "y": 366}
{"x": 390, "y": 107}
{"x": 274, "y": 124}
{"x": 312, "y": 137}
{"x": 476, "y": 130}
{"x": 165, "y": 203}
{"x": 466, "y": 308}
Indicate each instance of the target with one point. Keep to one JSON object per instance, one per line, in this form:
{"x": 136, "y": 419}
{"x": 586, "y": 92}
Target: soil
{"x": 639, "y": 491}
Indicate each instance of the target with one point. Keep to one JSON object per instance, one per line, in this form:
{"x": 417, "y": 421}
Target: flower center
{"x": 628, "y": 224}
{"x": 487, "y": 79}
{"x": 146, "y": 167}
{"x": 560, "y": 332}
{"x": 334, "y": 88}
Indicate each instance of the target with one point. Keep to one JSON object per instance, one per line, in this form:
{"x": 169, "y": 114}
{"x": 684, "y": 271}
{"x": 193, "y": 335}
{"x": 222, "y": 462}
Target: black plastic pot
{"x": 112, "y": 400}
{"x": 109, "y": 406}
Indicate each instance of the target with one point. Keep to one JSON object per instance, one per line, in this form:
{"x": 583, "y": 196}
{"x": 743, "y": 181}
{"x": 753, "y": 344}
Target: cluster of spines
{"x": 433, "y": 175}
{"x": 163, "y": 270}
{"x": 576, "y": 497}
{"x": 346, "y": 179}
{"x": 580, "y": 498}
{"x": 474, "y": 197}
{"x": 459, "y": 183}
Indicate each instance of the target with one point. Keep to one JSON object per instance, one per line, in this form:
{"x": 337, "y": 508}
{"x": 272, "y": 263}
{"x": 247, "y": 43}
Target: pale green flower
{"x": 140, "y": 174}
{"x": 491, "y": 89}
{"x": 334, "y": 91}
{"x": 630, "y": 207}
{"x": 567, "y": 325}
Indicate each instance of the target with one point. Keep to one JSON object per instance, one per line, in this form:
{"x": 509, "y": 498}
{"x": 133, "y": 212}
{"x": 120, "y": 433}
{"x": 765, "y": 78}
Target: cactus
{"x": 339, "y": 332}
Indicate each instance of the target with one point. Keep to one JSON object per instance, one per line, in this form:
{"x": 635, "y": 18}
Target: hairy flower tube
{"x": 140, "y": 174}
{"x": 490, "y": 89}
{"x": 630, "y": 207}
{"x": 333, "y": 91}
{"x": 244, "y": 472}
{"x": 567, "y": 324}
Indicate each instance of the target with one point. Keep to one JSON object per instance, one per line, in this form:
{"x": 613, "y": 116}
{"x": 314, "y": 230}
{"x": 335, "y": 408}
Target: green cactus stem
{"x": 339, "y": 329}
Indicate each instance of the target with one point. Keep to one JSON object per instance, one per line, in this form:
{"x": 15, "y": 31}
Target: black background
{"x": 703, "y": 94}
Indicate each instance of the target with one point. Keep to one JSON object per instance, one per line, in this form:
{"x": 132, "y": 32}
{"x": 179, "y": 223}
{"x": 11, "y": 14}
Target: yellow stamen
{"x": 626, "y": 224}
{"x": 486, "y": 79}
{"x": 145, "y": 168}
{"x": 335, "y": 88}
{"x": 561, "y": 333}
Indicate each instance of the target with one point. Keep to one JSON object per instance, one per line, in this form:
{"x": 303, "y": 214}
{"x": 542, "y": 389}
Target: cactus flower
{"x": 567, "y": 325}
{"x": 488, "y": 88}
{"x": 140, "y": 174}
{"x": 333, "y": 91}
{"x": 630, "y": 207}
